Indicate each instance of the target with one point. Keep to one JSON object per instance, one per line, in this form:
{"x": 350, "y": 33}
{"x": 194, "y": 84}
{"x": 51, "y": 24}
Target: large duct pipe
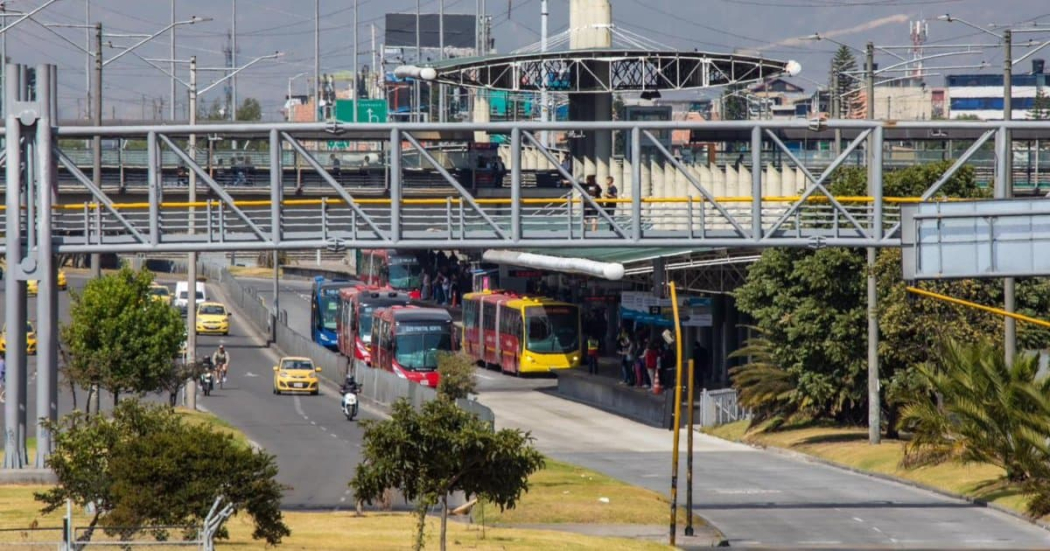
{"x": 606, "y": 270}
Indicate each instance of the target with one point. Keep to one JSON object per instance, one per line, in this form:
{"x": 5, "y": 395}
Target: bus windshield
{"x": 552, "y": 329}
{"x": 329, "y": 310}
{"x": 405, "y": 273}
{"x": 364, "y": 323}
{"x": 418, "y": 349}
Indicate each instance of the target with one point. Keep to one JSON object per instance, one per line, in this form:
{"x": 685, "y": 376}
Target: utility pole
{"x": 191, "y": 259}
{"x": 874, "y": 406}
{"x": 836, "y": 111}
{"x": 171, "y": 66}
{"x": 441, "y": 56}
{"x": 415, "y": 81}
{"x": 545, "y": 113}
{"x": 357, "y": 73}
{"x": 96, "y": 170}
{"x": 233, "y": 64}
{"x": 1007, "y": 191}
{"x": 87, "y": 55}
{"x": 317, "y": 58}
{"x": 3, "y": 60}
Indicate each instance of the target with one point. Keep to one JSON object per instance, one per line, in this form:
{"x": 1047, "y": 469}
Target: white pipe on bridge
{"x": 606, "y": 270}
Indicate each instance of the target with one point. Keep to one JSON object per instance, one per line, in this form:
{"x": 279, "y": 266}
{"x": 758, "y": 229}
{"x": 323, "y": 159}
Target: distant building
{"x": 981, "y": 95}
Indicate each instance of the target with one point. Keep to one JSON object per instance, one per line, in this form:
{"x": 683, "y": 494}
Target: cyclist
{"x": 221, "y": 360}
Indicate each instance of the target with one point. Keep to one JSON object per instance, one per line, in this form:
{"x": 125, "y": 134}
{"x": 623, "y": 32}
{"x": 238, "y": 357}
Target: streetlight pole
{"x": 233, "y": 63}
{"x": 1006, "y": 192}
{"x": 191, "y": 259}
{"x": 545, "y": 113}
{"x": 357, "y": 73}
{"x": 96, "y": 170}
{"x": 416, "y": 86}
{"x": 441, "y": 56}
{"x": 171, "y": 66}
{"x": 874, "y": 402}
{"x": 317, "y": 58}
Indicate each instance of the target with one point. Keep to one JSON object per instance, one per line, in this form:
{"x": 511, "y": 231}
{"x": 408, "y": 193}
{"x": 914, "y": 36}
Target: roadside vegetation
{"x": 944, "y": 386}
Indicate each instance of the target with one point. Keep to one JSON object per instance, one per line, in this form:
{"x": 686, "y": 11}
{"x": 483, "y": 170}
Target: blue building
{"x": 981, "y": 95}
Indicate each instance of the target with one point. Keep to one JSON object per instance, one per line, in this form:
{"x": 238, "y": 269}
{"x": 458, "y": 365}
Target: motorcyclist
{"x": 221, "y": 360}
{"x": 350, "y": 385}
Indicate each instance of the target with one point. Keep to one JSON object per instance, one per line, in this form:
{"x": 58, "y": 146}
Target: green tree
{"x": 842, "y": 64}
{"x": 979, "y": 409}
{"x": 145, "y": 466}
{"x": 120, "y": 340}
{"x": 734, "y": 104}
{"x": 457, "y": 376}
{"x": 438, "y": 450}
{"x": 1040, "y": 107}
{"x": 764, "y": 388}
{"x": 811, "y": 307}
{"x": 250, "y": 110}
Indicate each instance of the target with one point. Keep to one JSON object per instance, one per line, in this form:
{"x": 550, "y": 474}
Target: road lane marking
{"x": 250, "y": 374}
{"x": 858, "y": 519}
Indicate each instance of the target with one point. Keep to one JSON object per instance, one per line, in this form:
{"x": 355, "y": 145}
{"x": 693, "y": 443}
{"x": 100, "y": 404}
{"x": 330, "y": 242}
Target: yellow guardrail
{"x": 496, "y": 202}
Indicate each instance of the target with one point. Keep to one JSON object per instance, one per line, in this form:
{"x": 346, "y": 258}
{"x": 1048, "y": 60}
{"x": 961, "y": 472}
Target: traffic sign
{"x": 368, "y": 110}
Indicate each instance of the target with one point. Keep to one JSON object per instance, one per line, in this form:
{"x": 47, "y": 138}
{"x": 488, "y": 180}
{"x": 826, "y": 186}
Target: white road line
{"x": 486, "y": 377}
{"x": 858, "y": 519}
{"x": 313, "y": 423}
{"x": 299, "y": 407}
{"x": 324, "y": 429}
{"x": 333, "y": 435}
{"x": 876, "y": 528}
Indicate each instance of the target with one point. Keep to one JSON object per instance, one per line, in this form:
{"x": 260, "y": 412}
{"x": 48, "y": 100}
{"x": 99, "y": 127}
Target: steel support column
{"x": 756, "y": 183}
{"x": 47, "y": 291}
{"x": 636, "y": 184}
{"x": 395, "y": 185}
{"x": 515, "y": 185}
{"x": 153, "y": 180}
{"x": 276, "y": 194}
{"x": 15, "y": 456}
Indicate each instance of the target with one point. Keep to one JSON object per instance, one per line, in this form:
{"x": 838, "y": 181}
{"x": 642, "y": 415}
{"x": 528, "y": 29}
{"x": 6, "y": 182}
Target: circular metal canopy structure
{"x": 603, "y": 71}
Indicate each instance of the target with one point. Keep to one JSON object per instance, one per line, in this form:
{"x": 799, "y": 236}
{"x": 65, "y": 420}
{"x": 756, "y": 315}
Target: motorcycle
{"x": 207, "y": 378}
{"x": 207, "y": 382}
{"x": 349, "y": 403}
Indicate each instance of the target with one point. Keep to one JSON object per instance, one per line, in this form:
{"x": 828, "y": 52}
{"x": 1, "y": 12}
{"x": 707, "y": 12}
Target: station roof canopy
{"x": 606, "y": 70}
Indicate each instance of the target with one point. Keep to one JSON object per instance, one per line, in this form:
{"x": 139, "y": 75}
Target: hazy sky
{"x": 265, "y": 26}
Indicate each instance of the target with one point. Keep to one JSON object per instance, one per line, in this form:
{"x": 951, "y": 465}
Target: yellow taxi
{"x": 160, "y": 293}
{"x": 30, "y": 339}
{"x": 213, "y": 319}
{"x": 296, "y": 374}
{"x": 32, "y": 286}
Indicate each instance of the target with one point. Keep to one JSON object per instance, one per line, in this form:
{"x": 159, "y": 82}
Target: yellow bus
{"x": 521, "y": 334}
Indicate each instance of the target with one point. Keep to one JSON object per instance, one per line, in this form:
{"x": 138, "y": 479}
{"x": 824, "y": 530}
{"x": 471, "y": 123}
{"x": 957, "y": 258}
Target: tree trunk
{"x": 421, "y": 524}
{"x": 116, "y": 397}
{"x": 444, "y": 519}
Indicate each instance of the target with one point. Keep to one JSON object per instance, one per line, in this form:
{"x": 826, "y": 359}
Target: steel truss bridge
{"x": 37, "y": 227}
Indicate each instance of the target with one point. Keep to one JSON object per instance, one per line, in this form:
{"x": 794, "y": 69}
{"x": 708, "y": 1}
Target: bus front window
{"x": 405, "y": 274}
{"x": 364, "y": 324}
{"x": 552, "y": 329}
{"x": 419, "y": 351}
{"x": 329, "y": 312}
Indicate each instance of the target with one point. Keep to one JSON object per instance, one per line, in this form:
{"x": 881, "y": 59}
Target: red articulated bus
{"x": 407, "y": 341}
{"x": 390, "y": 268}
{"x": 355, "y": 320}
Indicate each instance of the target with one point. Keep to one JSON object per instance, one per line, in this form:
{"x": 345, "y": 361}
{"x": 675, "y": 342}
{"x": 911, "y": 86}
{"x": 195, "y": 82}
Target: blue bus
{"x": 324, "y": 310}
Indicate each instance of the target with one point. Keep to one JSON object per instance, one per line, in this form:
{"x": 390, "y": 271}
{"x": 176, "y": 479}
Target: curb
{"x": 802, "y": 456}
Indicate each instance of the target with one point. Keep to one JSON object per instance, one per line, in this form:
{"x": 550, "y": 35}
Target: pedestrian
{"x": 652, "y": 363}
{"x": 3, "y": 378}
{"x": 626, "y": 351}
{"x": 454, "y": 290}
{"x": 639, "y": 364}
{"x": 336, "y": 166}
{"x": 592, "y": 355}
{"x": 499, "y": 169}
{"x": 425, "y": 291}
{"x": 590, "y": 213}
{"x": 611, "y": 195}
{"x": 446, "y": 289}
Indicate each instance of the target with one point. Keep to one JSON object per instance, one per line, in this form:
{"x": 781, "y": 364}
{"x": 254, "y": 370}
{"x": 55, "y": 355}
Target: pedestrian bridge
{"x": 684, "y": 207}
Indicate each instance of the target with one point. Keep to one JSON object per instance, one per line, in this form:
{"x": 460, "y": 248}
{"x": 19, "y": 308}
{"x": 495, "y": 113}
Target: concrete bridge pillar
{"x": 590, "y": 26}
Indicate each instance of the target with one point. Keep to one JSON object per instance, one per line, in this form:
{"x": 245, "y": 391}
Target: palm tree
{"x": 762, "y": 385}
{"x": 981, "y": 410}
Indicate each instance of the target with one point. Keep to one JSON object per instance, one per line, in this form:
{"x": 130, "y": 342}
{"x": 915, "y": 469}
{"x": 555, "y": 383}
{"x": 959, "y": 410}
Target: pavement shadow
{"x": 835, "y": 505}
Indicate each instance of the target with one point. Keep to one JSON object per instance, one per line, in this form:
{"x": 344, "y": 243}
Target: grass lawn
{"x": 849, "y": 447}
{"x": 564, "y": 493}
{"x": 343, "y": 530}
{"x": 252, "y": 271}
{"x": 219, "y": 425}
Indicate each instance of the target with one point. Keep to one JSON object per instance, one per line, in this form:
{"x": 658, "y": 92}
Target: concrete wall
{"x": 603, "y": 394}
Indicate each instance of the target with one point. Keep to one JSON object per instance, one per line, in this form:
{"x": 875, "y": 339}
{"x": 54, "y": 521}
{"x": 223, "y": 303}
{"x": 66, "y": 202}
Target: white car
{"x": 182, "y": 295}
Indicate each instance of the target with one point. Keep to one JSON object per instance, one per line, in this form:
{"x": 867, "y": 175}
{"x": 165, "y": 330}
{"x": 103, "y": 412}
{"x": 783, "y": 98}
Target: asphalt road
{"x": 756, "y": 498}
{"x": 317, "y": 449}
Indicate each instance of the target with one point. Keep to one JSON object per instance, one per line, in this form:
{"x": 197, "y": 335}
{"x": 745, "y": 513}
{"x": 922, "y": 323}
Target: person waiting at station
{"x": 590, "y": 213}
{"x": 592, "y": 355}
